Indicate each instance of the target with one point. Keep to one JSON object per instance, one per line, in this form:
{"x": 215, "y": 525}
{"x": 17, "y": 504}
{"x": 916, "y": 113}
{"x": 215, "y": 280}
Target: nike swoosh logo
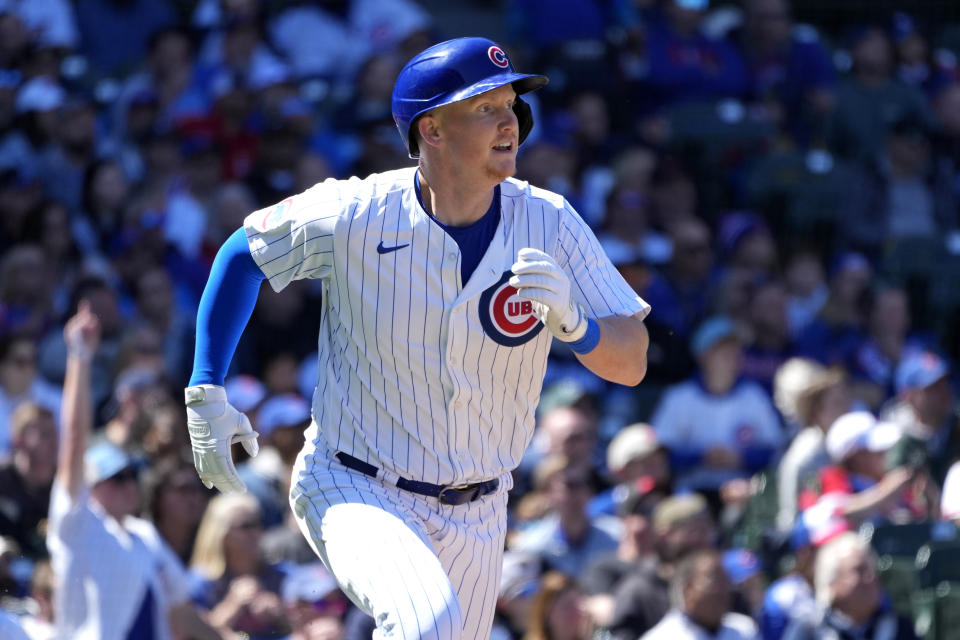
{"x": 382, "y": 249}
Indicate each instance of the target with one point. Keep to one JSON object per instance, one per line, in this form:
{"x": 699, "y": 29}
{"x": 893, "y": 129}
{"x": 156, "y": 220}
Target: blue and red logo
{"x": 274, "y": 216}
{"x": 498, "y": 57}
{"x": 507, "y": 318}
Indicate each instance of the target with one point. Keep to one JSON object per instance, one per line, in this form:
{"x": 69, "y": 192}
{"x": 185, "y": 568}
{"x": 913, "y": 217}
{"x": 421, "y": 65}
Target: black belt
{"x": 460, "y": 494}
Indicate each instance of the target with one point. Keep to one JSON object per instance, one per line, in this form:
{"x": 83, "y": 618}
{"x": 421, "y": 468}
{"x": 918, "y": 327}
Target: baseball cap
{"x": 245, "y": 392}
{"x": 520, "y": 576}
{"x": 920, "y": 370}
{"x": 133, "y": 379}
{"x": 858, "y": 431}
{"x": 631, "y": 443}
{"x": 711, "y": 332}
{"x": 740, "y": 565}
{"x": 677, "y": 509}
{"x": 311, "y": 583}
{"x": 286, "y": 410}
{"x": 39, "y": 94}
{"x": 104, "y": 460}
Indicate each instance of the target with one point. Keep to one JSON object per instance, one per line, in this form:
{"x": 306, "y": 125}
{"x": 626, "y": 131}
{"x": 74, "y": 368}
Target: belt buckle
{"x": 455, "y": 489}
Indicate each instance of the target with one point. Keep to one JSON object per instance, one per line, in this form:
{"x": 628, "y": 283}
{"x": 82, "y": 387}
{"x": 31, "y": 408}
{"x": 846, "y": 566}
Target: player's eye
{"x": 484, "y": 108}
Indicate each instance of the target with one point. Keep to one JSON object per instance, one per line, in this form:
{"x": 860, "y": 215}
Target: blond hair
{"x": 209, "y": 558}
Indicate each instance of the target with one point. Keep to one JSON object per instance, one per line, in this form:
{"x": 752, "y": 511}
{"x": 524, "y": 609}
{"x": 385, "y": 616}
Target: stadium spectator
{"x": 559, "y": 610}
{"x": 850, "y": 595}
{"x": 701, "y": 598}
{"x": 314, "y": 604}
{"x": 682, "y": 525}
{"x": 175, "y": 501}
{"x": 567, "y": 538}
{"x": 823, "y": 399}
{"x": 92, "y": 533}
{"x": 26, "y": 476}
{"x": 805, "y": 280}
{"x": 744, "y": 428}
{"x": 519, "y": 583}
{"x": 770, "y": 342}
{"x": 20, "y": 383}
{"x": 240, "y": 590}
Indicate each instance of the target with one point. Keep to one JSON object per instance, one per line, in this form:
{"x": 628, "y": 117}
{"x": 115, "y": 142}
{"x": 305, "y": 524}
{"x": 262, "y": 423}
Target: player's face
{"x": 481, "y": 134}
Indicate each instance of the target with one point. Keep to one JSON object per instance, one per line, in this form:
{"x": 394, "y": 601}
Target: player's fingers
{"x": 529, "y": 253}
{"x": 543, "y": 268}
{"x": 247, "y": 437}
{"x": 536, "y": 294}
{"x": 530, "y": 280}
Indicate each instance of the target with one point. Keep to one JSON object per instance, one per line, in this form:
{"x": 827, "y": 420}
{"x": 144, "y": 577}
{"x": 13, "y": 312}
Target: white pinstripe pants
{"x": 422, "y": 569}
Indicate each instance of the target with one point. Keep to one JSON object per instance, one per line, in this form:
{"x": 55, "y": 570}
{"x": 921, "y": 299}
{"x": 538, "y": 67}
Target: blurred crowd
{"x": 780, "y": 181}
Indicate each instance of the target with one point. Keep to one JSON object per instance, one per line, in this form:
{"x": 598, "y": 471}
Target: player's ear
{"x": 428, "y": 127}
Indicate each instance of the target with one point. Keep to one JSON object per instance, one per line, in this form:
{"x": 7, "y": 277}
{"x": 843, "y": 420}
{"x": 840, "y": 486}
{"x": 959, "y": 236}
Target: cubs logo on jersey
{"x": 507, "y": 318}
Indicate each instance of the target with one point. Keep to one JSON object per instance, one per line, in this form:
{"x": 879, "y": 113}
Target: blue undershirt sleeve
{"x": 225, "y": 308}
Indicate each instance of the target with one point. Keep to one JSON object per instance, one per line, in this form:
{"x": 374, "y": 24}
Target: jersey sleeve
{"x": 596, "y": 283}
{"x": 294, "y": 239}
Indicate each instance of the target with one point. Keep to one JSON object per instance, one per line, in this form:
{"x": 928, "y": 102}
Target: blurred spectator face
{"x": 155, "y": 295}
{"x": 233, "y": 204}
{"x": 638, "y": 528}
{"x": 103, "y": 303}
{"x": 568, "y": 492}
{"x": 909, "y": 151}
{"x": 18, "y": 367}
{"x": 692, "y": 253}
{"x": 656, "y": 466}
{"x": 683, "y": 20}
{"x": 721, "y": 363}
{"x": 243, "y": 537}
{"x": 634, "y": 167}
{"x": 592, "y": 119}
{"x": 56, "y": 240}
{"x": 14, "y": 37}
{"x": 674, "y": 198}
{"x": 803, "y": 275}
{"x": 870, "y": 464}
{"x": 890, "y": 315}
{"x": 24, "y": 278}
{"x": 707, "y": 596}
{"x": 692, "y": 534}
{"x": 77, "y": 128}
{"x": 855, "y": 588}
{"x": 831, "y": 403}
{"x": 182, "y": 500}
{"x": 311, "y": 169}
{"x": 375, "y": 82}
{"x": 571, "y": 432}
{"x": 947, "y": 108}
{"x": 280, "y": 374}
{"x": 35, "y": 449}
{"x": 109, "y": 188}
{"x": 242, "y": 38}
{"x": 119, "y": 495}
{"x": 768, "y": 311}
{"x": 568, "y": 617}
{"x": 912, "y": 49}
{"x": 171, "y": 55}
{"x": 873, "y": 54}
{"x": 848, "y": 285}
{"x": 933, "y": 403}
{"x": 756, "y": 252}
{"x": 141, "y": 348}
{"x": 626, "y": 214}
{"x": 548, "y": 164}
{"x": 165, "y": 434}
{"x": 768, "y": 23}
{"x": 162, "y": 156}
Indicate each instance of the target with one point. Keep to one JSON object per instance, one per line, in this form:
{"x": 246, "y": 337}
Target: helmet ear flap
{"x": 524, "y": 118}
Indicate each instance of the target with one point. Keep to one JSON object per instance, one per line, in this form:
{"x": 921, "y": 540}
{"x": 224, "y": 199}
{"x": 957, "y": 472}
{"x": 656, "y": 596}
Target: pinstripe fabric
{"x": 408, "y": 378}
{"x": 420, "y": 376}
{"x": 420, "y": 568}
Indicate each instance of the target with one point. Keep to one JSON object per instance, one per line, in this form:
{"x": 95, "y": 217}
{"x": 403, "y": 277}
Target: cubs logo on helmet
{"x": 507, "y": 318}
{"x": 498, "y": 57}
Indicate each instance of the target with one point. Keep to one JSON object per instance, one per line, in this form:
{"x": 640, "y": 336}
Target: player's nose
{"x": 508, "y": 119}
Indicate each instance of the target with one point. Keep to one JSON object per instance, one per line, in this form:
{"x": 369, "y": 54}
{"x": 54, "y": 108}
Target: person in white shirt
{"x": 115, "y": 577}
{"x": 701, "y": 597}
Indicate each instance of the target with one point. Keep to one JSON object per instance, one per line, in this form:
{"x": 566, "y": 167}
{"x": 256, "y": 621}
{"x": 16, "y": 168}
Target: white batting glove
{"x": 214, "y": 424}
{"x": 539, "y": 279}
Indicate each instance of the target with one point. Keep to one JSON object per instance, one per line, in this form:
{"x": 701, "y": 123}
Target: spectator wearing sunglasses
{"x": 116, "y": 578}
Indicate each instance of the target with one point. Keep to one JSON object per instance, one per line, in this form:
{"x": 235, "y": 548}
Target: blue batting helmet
{"x": 453, "y": 71}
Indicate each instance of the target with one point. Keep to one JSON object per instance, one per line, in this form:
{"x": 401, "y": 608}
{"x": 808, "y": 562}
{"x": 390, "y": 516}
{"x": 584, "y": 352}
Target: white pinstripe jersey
{"x": 419, "y": 373}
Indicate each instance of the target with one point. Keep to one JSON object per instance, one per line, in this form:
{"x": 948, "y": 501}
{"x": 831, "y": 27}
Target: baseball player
{"x": 438, "y": 282}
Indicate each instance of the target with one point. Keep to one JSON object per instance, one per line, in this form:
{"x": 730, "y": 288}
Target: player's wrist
{"x": 203, "y": 394}
{"x": 589, "y": 340}
{"x": 573, "y": 326}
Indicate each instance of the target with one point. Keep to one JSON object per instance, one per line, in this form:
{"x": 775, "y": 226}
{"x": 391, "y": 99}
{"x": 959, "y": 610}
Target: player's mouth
{"x": 503, "y": 147}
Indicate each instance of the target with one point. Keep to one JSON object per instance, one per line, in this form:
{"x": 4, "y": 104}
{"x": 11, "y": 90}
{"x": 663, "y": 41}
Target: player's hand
{"x": 539, "y": 279}
{"x": 214, "y": 424}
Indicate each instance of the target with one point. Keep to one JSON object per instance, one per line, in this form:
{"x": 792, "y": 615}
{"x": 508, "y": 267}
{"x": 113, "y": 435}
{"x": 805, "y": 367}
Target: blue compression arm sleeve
{"x": 225, "y": 308}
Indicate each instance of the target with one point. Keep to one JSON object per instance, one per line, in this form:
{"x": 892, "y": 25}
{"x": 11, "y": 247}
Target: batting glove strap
{"x": 214, "y": 424}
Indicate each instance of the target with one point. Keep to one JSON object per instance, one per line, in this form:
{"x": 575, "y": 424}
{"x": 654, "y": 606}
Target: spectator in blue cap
{"x": 716, "y": 426}
{"x": 115, "y": 573}
{"x": 924, "y": 408}
{"x": 747, "y": 579}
